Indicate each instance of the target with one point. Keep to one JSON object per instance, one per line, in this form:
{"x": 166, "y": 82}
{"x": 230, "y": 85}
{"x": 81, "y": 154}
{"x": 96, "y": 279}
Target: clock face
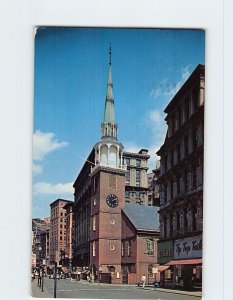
{"x": 112, "y": 200}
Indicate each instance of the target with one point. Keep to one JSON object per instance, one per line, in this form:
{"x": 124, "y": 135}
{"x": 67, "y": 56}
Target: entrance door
{"x": 125, "y": 277}
{"x": 105, "y": 278}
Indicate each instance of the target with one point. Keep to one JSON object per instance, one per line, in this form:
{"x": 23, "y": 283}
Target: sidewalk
{"x": 36, "y": 291}
{"x": 188, "y": 293}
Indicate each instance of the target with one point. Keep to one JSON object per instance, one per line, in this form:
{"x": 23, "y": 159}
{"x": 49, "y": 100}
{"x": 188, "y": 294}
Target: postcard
{"x": 118, "y": 163}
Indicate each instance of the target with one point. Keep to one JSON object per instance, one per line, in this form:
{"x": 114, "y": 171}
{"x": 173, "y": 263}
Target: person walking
{"x": 143, "y": 279}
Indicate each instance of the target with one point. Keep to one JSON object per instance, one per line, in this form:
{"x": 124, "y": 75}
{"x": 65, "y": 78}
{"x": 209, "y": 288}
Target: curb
{"x": 173, "y": 292}
{"x": 147, "y": 288}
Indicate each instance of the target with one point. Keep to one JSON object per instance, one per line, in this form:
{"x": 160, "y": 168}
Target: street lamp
{"x": 39, "y": 278}
{"x": 55, "y": 281}
{"x": 41, "y": 281}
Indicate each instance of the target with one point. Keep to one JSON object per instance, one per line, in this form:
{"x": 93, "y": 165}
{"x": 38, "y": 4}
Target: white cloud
{"x": 168, "y": 89}
{"x": 156, "y": 131}
{"x": 132, "y": 147}
{"x": 45, "y": 143}
{"x": 156, "y": 134}
{"x": 185, "y": 72}
{"x": 59, "y": 189}
{"x": 155, "y": 118}
{"x": 36, "y": 169}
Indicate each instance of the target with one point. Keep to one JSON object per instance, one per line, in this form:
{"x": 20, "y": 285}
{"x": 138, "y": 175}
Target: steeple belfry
{"x": 109, "y": 125}
{"x": 108, "y": 151}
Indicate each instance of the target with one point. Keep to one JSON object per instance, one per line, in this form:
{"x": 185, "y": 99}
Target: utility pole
{"x": 55, "y": 281}
{"x": 42, "y": 279}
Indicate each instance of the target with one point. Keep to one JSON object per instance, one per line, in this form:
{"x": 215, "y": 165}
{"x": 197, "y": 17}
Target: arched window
{"x": 93, "y": 249}
{"x": 94, "y": 222}
{"x": 104, "y": 155}
{"x": 112, "y": 161}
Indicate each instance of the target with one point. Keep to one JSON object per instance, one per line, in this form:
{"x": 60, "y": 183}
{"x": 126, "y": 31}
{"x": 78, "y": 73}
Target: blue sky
{"x": 71, "y": 68}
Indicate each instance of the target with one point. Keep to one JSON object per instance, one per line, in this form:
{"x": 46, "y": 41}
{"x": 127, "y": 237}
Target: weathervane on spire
{"x": 110, "y": 54}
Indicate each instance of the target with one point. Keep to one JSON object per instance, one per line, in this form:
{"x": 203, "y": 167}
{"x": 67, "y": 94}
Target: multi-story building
{"x": 69, "y": 243}
{"x": 136, "y": 183}
{"x": 47, "y": 220}
{"x": 40, "y": 240}
{"x": 57, "y": 230}
{"x": 153, "y": 187}
{"x": 109, "y": 178}
{"x": 181, "y": 184}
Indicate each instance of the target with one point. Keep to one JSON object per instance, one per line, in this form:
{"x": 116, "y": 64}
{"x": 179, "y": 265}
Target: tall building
{"x": 153, "y": 187}
{"x": 57, "y": 230}
{"x": 40, "y": 240}
{"x": 181, "y": 185}
{"x": 69, "y": 243}
{"x": 109, "y": 178}
{"x": 136, "y": 183}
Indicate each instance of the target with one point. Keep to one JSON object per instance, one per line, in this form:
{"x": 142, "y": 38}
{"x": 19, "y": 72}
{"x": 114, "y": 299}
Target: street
{"x": 84, "y": 290}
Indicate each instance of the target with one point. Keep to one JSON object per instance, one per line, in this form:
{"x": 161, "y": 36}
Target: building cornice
{"x": 99, "y": 168}
{"x": 185, "y": 127}
{"x": 196, "y": 75}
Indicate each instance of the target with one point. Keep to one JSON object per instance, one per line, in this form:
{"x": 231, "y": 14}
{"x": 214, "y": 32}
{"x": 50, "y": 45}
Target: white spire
{"x": 109, "y": 125}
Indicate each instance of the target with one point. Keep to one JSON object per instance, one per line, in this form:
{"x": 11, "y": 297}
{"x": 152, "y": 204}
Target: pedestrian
{"x": 143, "y": 279}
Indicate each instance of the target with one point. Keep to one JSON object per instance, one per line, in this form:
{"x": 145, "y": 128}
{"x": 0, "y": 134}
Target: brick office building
{"x": 181, "y": 185}
{"x": 109, "y": 178}
{"x": 57, "y": 230}
{"x": 69, "y": 237}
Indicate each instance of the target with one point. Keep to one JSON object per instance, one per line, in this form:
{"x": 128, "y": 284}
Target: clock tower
{"x": 107, "y": 196}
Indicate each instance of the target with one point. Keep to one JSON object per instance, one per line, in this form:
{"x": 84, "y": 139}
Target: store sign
{"x": 155, "y": 270}
{"x": 188, "y": 248}
{"x": 165, "y": 252}
{"x": 33, "y": 260}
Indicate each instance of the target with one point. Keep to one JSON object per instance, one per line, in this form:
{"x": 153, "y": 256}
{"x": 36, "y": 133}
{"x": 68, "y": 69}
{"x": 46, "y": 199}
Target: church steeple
{"x": 108, "y": 151}
{"x": 109, "y": 125}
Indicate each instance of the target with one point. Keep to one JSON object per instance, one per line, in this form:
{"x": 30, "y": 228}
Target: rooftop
{"x": 143, "y": 217}
{"x": 60, "y": 200}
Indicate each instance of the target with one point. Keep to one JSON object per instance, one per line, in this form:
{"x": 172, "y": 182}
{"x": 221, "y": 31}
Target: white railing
{"x": 108, "y": 165}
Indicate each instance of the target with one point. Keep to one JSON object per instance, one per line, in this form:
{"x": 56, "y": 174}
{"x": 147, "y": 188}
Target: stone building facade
{"x": 136, "y": 183}
{"x": 82, "y": 212}
{"x": 153, "y": 187}
{"x": 181, "y": 182}
{"x": 40, "y": 240}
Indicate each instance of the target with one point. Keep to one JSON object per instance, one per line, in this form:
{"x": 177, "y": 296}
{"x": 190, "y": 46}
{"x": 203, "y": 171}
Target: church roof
{"x": 142, "y": 217}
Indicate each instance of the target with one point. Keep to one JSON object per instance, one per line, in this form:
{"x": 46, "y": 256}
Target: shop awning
{"x": 195, "y": 261}
{"x": 163, "y": 268}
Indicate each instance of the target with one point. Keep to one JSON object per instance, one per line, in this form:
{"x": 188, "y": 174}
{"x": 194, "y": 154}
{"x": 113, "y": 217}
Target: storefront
{"x": 187, "y": 263}
{"x": 165, "y": 254}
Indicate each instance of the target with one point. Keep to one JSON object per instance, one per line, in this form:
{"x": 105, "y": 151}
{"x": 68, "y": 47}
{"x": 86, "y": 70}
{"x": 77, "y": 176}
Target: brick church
{"x": 115, "y": 231}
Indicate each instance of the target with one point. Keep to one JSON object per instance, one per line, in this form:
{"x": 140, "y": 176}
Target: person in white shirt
{"x": 143, "y": 279}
